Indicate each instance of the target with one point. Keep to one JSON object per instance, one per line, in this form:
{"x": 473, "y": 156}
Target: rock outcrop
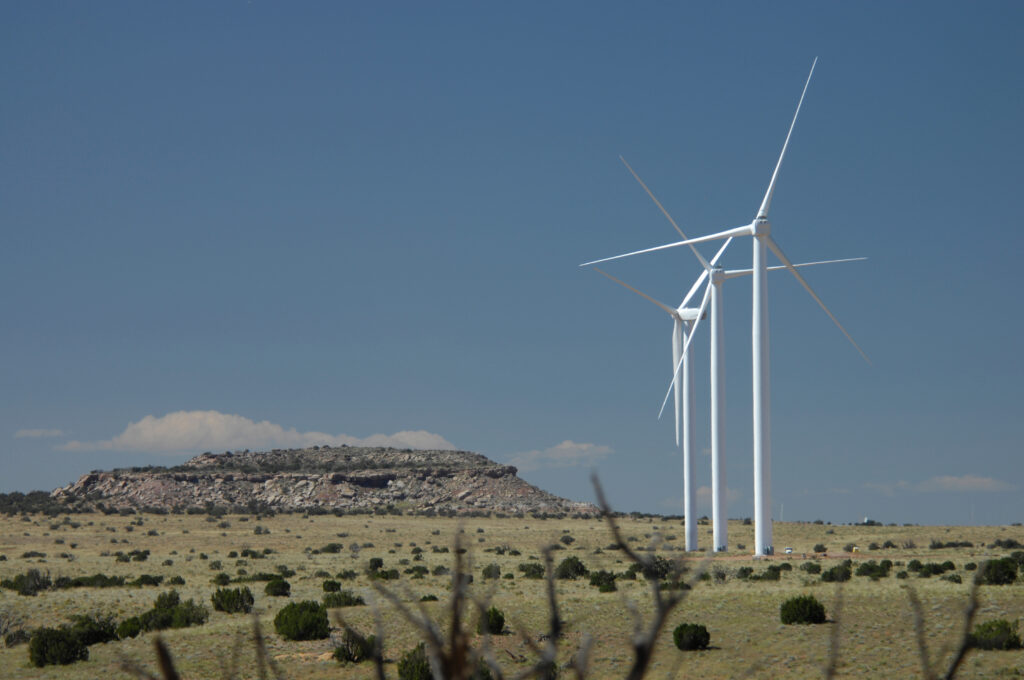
{"x": 322, "y": 478}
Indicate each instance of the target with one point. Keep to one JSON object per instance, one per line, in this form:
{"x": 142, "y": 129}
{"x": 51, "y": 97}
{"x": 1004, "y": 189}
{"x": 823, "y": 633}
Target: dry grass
{"x": 876, "y": 636}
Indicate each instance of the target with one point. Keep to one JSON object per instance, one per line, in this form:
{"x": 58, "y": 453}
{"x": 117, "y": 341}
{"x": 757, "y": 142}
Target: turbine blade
{"x": 641, "y": 294}
{"x": 767, "y": 202}
{"x": 734, "y": 273}
{"x": 704, "y": 274}
{"x": 721, "y": 251}
{"x": 664, "y": 212}
{"x": 814, "y": 264}
{"x": 686, "y": 347}
{"x": 745, "y": 230}
{"x": 803, "y": 282}
{"x": 693, "y": 289}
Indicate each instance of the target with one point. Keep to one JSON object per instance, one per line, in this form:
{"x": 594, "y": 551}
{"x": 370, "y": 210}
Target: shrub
{"x": 129, "y": 628}
{"x": 838, "y": 573}
{"x": 492, "y": 621}
{"x": 55, "y": 646}
{"x": 531, "y": 569}
{"x": 29, "y": 583}
{"x": 691, "y": 636}
{"x": 302, "y": 621}
{"x": 802, "y": 609}
{"x": 331, "y": 586}
{"x": 342, "y": 598}
{"x": 492, "y": 571}
{"x": 998, "y": 572}
{"x": 998, "y": 634}
{"x": 375, "y": 563}
{"x": 93, "y": 629}
{"x": 354, "y": 648}
{"x": 604, "y": 580}
{"x": 811, "y": 567}
{"x": 233, "y": 600}
{"x": 170, "y": 612}
{"x": 874, "y": 569}
{"x": 570, "y": 568}
{"x": 744, "y": 572}
{"x": 428, "y": 598}
{"x": 221, "y": 579}
{"x": 414, "y": 665}
{"x": 820, "y": 548}
{"x": 278, "y": 587}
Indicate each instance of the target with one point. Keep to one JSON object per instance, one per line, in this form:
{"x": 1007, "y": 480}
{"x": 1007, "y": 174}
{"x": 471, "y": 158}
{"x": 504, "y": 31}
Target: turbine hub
{"x": 762, "y": 227}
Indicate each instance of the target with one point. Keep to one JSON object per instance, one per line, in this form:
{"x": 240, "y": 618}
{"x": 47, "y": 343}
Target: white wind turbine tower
{"x": 685, "y": 320}
{"x": 760, "y": 230}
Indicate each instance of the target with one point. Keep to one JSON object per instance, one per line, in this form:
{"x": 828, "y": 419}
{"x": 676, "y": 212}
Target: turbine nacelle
{"x": 690, "y": 314}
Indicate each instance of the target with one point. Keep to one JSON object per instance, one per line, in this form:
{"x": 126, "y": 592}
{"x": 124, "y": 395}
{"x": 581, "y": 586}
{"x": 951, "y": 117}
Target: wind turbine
{"x": 685, "y": 320}
{"x": 760, "y": 230}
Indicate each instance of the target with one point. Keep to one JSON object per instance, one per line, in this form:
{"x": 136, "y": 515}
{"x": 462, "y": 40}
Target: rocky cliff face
{"x": 345, "y": 478}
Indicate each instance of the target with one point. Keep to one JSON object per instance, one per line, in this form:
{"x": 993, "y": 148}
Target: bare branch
{"x": 833, "y": 642}
{"x": 164, "y": 660}
{"x": 965, "y": 639}
{"x": 922, "y": 644}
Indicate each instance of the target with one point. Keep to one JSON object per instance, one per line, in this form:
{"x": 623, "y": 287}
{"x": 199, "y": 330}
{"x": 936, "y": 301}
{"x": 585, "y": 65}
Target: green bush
{"x": 811, "y": 567}
{"x": 414, "y": 665}
{"x": 604, "y": 580}
{"x": 820, "y": 548}
{"x": 531, "y": 569}
{"x": 278, "y": 587}
{"x": 802, "y": 609}
{"x": 570, "y": 568}
{"x": 170, "y": 612}
{"x": 492, "y": 571}
{"x": 342, "y": 598}
{"x": 55, "y": 646}
{"x": 354, "y": 648}
{"x": 302, "y": 621}
{"x": 129, "y": 628}
{"x": 492, "y": 621}
{"x": 29, "y": 583}
{"x": 331, "y": 586}
{"x": 691, "y": 636}
{"x": 233, "y": 600}
{"x": 93, "y": 629}
{"x": 839, "y": 573}
{"x": 1000, "y": 572}
{"x": 998, "y": 634}
{"x": 221, "y": 579}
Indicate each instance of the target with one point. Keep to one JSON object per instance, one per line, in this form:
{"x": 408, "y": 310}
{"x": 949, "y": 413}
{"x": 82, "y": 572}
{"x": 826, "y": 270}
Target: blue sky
{"x": 263, "y": 224}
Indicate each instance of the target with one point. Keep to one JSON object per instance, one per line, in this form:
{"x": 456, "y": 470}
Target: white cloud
{"x": 889, "y": 489}
{"x": 37, "y": 433}
{"x": 195, "y": 431}
{"x": 964, "y": 483}
{"x": 942, "y": 483}
{"x": 566, "y": 454}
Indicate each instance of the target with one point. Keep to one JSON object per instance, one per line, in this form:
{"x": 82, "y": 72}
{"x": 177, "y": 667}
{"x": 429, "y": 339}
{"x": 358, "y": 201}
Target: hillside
{"x": 340, "y": 478}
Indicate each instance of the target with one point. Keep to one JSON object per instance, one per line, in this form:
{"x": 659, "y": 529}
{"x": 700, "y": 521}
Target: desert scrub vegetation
{"x": 742, "y": 616}
{"x": 802, "y": 609}
{"x": 305, "y": 620}
{"x": 233, "y": 600}
{"x": 691, "y": 636}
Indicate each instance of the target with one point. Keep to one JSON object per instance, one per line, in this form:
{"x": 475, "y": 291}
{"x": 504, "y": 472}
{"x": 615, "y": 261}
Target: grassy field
{"x": 876, "y": 632}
